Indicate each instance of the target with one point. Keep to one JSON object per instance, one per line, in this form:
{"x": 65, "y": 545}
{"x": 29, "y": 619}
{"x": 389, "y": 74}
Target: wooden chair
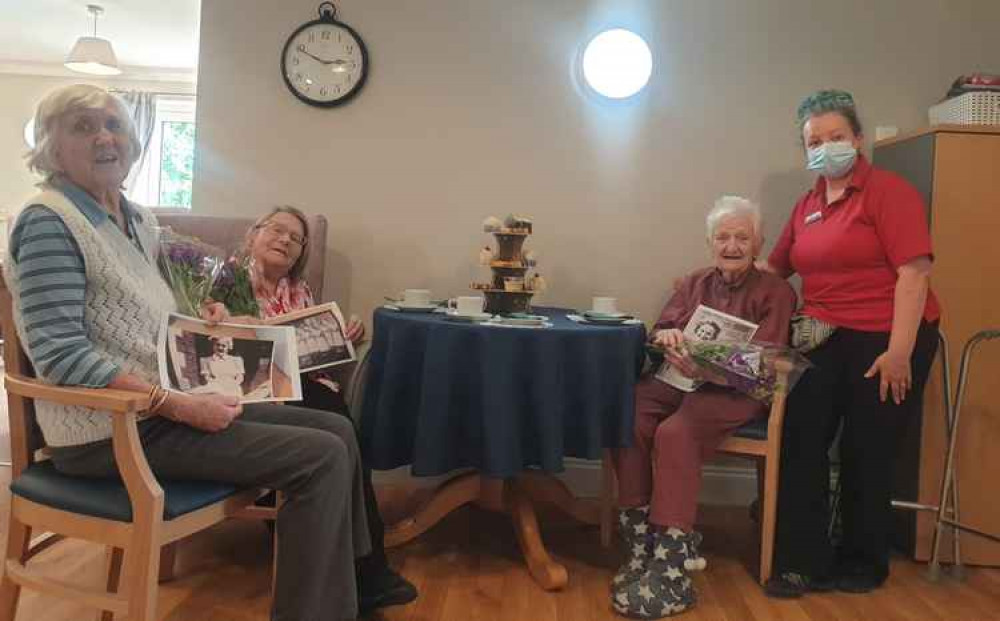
{"x": 134, "y": 517}
{"x": 759, "y": 440}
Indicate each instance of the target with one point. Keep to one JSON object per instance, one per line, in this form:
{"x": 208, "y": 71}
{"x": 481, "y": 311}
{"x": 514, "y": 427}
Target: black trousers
{"x": 319, "y": 397}
{"x": 836, "y": 391}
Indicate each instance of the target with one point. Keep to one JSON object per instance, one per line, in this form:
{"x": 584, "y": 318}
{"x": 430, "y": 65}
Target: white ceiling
{"x": 148, "y": 36}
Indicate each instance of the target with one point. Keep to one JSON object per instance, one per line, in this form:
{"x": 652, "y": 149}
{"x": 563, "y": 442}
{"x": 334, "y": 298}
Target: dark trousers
{"x": 836, "y": 391}
{"x": 318, "y": 397}
{"x": 310, "y": 456}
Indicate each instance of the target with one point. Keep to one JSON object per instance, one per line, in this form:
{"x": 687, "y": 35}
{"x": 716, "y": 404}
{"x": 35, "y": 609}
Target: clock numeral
{"x": 338, "y": 37}
{"x": 349, "y": 48}
{"x": 350, "y": 77}
{"x": 326, "y": 35}
{"x": 298, "y": 76}
{"x": 295, "y": 60}
{"x": 337, "y": 89}
{"x": 301, "y": 47}
{"x": 323, "y": 91}
{"x": 312, "y": 37}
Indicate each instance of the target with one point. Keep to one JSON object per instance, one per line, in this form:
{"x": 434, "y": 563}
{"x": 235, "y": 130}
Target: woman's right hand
{"x": 671, "y": 338}
{"x": 209, "y": 412}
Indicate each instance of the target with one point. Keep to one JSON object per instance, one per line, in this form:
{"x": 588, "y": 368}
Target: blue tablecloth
{"x": 442, "y": 395}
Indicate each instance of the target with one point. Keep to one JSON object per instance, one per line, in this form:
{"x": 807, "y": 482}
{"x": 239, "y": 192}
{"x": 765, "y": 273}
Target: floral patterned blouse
{"x": 289, "y": 296}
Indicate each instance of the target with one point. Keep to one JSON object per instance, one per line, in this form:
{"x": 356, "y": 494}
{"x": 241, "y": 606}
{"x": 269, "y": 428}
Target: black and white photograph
{"x": 320, "y": 336}
{"x": 252, "y": 363}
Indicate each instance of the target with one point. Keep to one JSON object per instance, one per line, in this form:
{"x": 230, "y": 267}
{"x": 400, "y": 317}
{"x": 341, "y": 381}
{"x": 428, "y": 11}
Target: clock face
{"x": 324, "y": 63}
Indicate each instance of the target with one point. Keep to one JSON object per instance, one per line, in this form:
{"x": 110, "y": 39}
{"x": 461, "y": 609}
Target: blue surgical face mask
{"x": 832, "y": 159}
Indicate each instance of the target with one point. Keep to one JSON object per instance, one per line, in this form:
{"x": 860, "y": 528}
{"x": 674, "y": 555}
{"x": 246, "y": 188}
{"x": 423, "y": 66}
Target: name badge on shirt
{"x": 815, "y": 216}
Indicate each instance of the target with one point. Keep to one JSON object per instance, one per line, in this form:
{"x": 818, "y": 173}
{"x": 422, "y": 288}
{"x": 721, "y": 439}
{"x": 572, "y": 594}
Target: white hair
{"x": 54, "y": 108}
{"x": 733, "y": 206}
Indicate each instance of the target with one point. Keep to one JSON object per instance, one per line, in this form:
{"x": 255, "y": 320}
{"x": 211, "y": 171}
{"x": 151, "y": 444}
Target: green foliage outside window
{"x": 177, "y": 164}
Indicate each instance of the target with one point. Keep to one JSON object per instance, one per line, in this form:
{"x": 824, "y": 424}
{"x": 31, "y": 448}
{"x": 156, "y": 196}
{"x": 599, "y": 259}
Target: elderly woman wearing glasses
{"x": 276, "y": 245}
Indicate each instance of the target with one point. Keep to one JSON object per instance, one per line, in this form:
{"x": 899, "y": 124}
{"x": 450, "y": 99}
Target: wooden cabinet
{"x": 957, "y": 169}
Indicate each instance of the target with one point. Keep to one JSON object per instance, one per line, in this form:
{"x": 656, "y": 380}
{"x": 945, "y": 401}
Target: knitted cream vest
{"x": 125, "y": 303}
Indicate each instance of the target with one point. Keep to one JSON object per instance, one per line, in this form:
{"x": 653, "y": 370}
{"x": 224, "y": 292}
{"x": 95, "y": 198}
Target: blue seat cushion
{"x": 754, "y": 430}
{"x": 107, "y": 498}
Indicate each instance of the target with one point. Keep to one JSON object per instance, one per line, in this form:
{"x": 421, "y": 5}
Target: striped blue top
{"x": 50, "y": 267}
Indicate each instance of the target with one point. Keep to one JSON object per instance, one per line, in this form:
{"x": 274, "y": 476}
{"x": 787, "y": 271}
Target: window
{"x": 165, "y": 178}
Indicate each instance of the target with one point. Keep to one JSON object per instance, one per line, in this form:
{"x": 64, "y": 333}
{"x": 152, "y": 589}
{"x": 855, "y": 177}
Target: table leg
{"x": 542, "y": 487}
{"x": 452, "y": 495}
{"x": 549, "y": 574}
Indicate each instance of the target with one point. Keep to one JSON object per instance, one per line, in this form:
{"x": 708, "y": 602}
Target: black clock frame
{"x": 326, "y": 17}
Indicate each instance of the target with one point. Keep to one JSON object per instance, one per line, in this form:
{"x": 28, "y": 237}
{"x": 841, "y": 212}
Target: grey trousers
{"x": 310, "y": 456}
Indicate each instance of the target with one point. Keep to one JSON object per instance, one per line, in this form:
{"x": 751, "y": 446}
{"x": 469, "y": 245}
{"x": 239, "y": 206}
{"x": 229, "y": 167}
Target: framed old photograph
{"x": 252, "y": 363}
{"x": 320, "y": 335}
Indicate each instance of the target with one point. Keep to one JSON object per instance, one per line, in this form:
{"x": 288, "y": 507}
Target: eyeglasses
{"x": 90, "y": 124}
{"x": 279, "y": 230}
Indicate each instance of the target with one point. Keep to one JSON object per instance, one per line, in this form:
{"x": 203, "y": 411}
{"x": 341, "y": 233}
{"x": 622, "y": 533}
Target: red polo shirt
{"x": 847, "y": 252}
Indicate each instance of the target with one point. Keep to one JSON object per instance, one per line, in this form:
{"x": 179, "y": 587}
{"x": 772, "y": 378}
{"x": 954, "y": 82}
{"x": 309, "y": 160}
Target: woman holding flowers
{"x": 88, "y": 301}
{"x": 859, "y": 240}
{"x": 676, "y": 431}
{"x": 276, "y": 252}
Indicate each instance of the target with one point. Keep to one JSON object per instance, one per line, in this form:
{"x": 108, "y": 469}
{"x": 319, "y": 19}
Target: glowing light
{"x": 617, "y": 63}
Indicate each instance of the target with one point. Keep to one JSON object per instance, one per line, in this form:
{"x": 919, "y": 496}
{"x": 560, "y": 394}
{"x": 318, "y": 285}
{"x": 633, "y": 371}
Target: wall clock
{"x": 324, "y": 62}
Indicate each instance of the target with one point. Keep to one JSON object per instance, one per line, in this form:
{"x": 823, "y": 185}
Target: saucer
{"x": 452, "y": 315}
{"x": 592, "y": 314}
{"x": 415, "y": 308}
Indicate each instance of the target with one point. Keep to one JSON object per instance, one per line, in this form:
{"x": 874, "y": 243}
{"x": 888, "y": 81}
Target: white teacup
{"x": 416, "y": 297}
{"x": 605, "y": 306}
{"x": 467, "y": 305}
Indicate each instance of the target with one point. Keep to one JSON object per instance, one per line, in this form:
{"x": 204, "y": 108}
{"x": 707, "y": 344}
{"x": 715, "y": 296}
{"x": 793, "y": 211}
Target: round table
{"x": 508, "y": 402}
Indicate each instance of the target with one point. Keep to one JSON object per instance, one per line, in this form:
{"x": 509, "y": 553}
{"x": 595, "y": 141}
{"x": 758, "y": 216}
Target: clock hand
{"x": 303, "y": 49}
{"x": 341, "y": 65}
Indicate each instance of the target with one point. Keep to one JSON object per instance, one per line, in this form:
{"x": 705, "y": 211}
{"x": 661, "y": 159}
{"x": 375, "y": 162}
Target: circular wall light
{"x": 617, "y": 63}
{"x": 29, "y": 133}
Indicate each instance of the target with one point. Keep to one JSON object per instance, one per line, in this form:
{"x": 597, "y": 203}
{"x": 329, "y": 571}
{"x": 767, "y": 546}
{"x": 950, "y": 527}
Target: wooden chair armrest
{"x": 776, "y": 418}
{"x": 144, "y": 491}
{"x": 106, "y": 399}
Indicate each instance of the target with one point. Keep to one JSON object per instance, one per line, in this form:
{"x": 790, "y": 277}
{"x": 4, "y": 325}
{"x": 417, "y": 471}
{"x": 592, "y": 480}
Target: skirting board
{"x": 720, "y": 485}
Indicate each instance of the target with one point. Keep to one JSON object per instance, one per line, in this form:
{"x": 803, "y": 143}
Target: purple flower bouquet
{"x": 234, "y": 288}
{"x": 750, "y": 368}
{"x": 191, "y": 268}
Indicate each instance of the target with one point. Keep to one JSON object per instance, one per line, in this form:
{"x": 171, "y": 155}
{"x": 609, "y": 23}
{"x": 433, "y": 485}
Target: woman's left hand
{"x": 894, "y": 374}
{"x": 355, "y": 330}
{"x": 214, "y": 312}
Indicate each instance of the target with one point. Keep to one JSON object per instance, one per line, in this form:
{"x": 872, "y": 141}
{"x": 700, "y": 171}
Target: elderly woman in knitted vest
{"x": 676, "y": 429}
{"x": 88, "y": 301}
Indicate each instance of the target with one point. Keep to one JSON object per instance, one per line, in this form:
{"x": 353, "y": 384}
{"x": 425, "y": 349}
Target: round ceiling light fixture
{"x": 617, "y": 63}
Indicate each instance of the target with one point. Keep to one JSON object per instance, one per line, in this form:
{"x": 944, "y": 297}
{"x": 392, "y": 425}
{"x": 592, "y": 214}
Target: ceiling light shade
{"x": 617, "y": 63}
{"x": 93, "y": 55}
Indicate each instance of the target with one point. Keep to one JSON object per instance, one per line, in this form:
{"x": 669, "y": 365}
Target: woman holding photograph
{"x": 88, "y": 301}
{"x": 658, "y": 497}
{"x": 276, "y": 246}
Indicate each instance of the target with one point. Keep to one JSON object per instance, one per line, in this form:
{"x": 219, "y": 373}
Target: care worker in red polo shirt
{"x": 859, "y": 240}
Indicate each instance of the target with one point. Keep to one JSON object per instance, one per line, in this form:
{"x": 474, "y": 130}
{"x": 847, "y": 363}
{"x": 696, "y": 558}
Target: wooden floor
{"x": 467, "y": 569}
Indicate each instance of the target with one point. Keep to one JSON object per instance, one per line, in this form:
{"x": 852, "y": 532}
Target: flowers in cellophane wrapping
{"x": 750, "y": 368}
{"x": 191, "y": 268}
{"x": 234, "y": 287}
